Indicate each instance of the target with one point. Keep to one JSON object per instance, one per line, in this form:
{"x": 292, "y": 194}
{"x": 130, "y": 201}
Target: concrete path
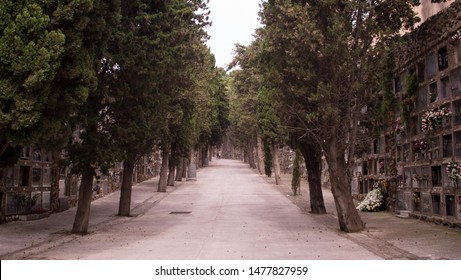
{"x": 230, "y": 212}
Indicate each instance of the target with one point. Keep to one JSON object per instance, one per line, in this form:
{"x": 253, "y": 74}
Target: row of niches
{"x": 373, "y": 167}
{"x": 25, "y": 176}
{"x": 437, "y": 64}
{"x": 435, "y": 93}
{"x": 424, "y": 173}
{"x": 429, "y": 176}
{"x": 445, "y": 146}
{"x": 20, "y": 203}
{"x": 429, "y": 122}
{"x": 427, "y": 203}
{"x": 35, "y": 153}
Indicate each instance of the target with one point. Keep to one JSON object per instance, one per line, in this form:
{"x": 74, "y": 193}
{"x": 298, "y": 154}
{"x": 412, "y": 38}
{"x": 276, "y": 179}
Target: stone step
{"x": 404, "y": 214}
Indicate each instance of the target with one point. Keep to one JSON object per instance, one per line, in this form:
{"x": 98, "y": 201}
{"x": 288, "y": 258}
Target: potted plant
{"x": 24, "y": 202}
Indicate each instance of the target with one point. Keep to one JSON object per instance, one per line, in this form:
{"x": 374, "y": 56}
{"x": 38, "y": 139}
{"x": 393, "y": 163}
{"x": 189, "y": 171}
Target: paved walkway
{"x": 230, "y": 212}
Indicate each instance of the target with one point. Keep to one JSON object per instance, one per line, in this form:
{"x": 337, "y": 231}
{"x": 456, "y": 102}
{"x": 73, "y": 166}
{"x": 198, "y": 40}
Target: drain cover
{"x": 180, "y": 212}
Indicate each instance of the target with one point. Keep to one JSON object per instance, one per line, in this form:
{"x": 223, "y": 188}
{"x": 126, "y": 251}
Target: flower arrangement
{"x": 420, "y": 146}
{"x": 24, "y": 199}
{"x": 419, "y": 178}
{"x": 372, "y": 201}
{"x": 456, "y": 35}
{"x": 454, "y": 170}
{"x": 39, "y": 211}
{"x": 382, "y": 183}
{"x": 432, "y": 117}
{"x": 399, "y": 126}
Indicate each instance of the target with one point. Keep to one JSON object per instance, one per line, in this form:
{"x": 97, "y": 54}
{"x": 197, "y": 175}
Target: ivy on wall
{"x": 409, "y": 97}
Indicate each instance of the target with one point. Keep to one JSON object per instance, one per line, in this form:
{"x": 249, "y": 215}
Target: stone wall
{"x": 444, "y": 26}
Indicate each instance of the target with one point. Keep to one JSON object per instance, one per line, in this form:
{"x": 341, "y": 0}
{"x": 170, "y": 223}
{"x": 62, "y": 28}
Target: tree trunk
{"x": 260, "y": 155}
{"x": 205, "y": 156}
{"x": 192, "y": 166}
{"x": 296, "y": 175}
{"x": 276, "y": 163}
{"x": 124, "y": 206}
{"x": 171, "y": 173}
{"x": 179, "y": 171}
{"x": 82, "y": 216}
{"x": 268, "y": 159}
{"x": 156, "y": 161}
{"x": 54, "y": 201}
{"x": 4, "y": 143}
{"x": 163, "y": 180}
{"x": 313, "y": 159}
{"x": 251, "y": 158}
{"x": 348, "y": 216}
{"x": 184, "y": 167}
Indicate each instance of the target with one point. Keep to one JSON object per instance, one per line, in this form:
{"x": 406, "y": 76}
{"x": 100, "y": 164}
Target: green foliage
{"x": 212, "y": 103}
{"x": 267, "y": 158}
{"x": 134, "y": 76}
{"x": 296, "y": 176}
{"x": 286, "y": 95}
{"x": 30, "y": 57}
{"x": 220, "y": 107}
{"x": 322, "y": 72}
{"x": 386, "y": 86}
{"x": 269, "y": 122}
{"x": 411, "y": 91}
{"x": 244, "y": 84}
{"x": 89, "y": 82}
{"x": 10, "y": 156}
{"x": 146, "y": 86}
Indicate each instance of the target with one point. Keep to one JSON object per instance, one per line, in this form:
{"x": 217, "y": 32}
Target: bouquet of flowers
{"x": 430, "y": 118}
{"x": 454, "y": 170}
{"x": 372, "y": 201}
{"x": 420, "y": 146}
{"x": 399, "y": 126}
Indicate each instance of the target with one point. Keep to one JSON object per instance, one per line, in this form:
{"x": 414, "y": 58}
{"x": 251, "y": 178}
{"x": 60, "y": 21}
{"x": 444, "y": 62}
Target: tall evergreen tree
{"x": 212, "y": 106}
{"x": 53, "y": 52}
{"x": 245, "y": 84}
{"x": 31, "y": 52}
{"x": 93, "y": 148}
{"x": 331, "y": 53}
{"x": 286, "y": 84}
{"x": 183, "y": 84}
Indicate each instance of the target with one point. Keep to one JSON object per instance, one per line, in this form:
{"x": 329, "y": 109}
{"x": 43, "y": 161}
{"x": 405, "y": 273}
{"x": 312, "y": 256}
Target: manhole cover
{"x": 180, "y": 212}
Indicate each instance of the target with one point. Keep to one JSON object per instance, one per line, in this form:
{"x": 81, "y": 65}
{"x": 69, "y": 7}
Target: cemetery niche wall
{"x": 418, "y": 151}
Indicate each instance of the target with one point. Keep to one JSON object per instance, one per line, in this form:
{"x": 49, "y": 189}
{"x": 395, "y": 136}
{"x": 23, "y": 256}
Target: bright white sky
{"x": 233, "y": 21}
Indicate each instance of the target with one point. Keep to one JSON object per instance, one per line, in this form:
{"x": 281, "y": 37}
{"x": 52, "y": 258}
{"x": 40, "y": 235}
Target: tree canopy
{"x": 31, "y": 50}
{"x": 323, "y": 72}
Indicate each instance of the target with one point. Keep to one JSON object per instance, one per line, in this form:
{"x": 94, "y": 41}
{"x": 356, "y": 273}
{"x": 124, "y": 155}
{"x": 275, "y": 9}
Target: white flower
{"x": 372, "y": 201}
